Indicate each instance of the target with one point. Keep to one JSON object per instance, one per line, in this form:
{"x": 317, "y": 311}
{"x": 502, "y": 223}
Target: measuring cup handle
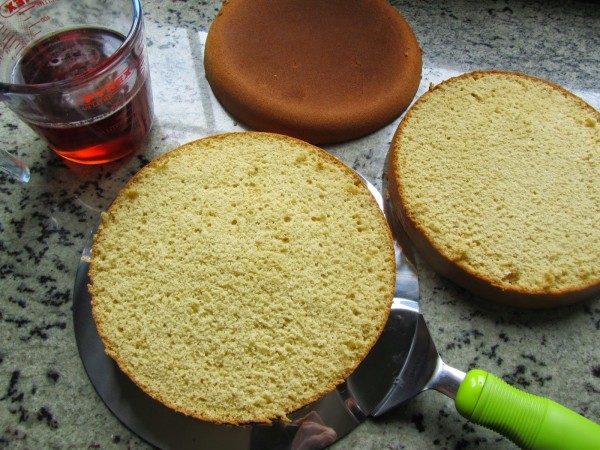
{"x": 13, "y": 166}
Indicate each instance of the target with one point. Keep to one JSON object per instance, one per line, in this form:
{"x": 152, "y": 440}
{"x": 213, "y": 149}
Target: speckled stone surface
{"x": 46, "y": 400}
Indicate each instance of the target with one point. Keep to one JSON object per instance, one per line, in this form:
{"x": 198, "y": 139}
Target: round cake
{"x": 496, "y": 179}
{"x": 242, "y": 276}
{"x": 321, "y": 71}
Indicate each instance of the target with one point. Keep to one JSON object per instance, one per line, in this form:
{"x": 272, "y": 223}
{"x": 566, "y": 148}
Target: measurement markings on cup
{"x": 10, "y": 40}
{"x": 34, "y": 24}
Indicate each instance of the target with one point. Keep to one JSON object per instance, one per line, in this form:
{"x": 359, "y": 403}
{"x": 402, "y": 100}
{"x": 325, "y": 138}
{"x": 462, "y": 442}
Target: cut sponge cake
{"x": 496, "y": 178}
{"x": 239, "y": 277}
{"x": 321, "y": 71}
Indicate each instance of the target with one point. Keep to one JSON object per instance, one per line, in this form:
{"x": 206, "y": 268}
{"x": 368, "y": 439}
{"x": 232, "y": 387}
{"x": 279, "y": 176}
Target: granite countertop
{"x": 46, "y": 399}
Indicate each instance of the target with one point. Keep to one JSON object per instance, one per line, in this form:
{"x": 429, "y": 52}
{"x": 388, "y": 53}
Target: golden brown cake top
{"x": 323, "y": 71}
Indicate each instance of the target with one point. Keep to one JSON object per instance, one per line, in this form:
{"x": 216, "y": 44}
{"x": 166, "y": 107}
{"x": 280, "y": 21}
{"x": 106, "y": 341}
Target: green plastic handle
{"x": 529, "y": 421}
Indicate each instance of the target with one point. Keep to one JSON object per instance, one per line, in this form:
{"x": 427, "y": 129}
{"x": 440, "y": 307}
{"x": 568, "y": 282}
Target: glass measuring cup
{"x": 76, "y": 72}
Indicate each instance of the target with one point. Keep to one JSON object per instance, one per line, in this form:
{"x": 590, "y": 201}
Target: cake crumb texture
{"x": 498, "y": 174}
{"x": 242, "y": 276}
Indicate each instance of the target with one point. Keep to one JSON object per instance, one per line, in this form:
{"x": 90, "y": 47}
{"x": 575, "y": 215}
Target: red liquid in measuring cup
{"x": 122, "y": 110}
